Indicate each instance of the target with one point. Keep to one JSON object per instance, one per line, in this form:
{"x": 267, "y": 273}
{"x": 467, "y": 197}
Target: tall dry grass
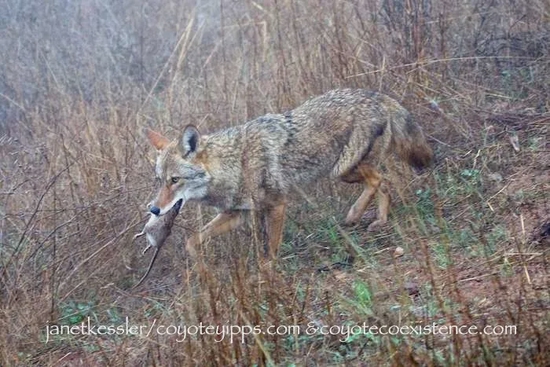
{"x": 81, "y": 79}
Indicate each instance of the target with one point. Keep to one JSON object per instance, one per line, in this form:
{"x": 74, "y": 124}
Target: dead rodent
{"x": 156, "y": 231}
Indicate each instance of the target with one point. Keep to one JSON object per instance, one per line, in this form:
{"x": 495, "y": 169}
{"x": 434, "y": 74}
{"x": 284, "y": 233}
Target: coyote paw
{"x": 376, "y": 225}
{"x": 190, "y": 248}
{"x": 353, "y": 217}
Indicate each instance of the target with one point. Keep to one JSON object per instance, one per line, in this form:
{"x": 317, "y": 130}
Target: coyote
{"x": 343, "y": 134}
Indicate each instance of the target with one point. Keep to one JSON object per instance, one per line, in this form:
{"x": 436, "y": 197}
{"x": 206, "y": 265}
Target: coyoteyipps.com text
{"x": 241, "y": 333}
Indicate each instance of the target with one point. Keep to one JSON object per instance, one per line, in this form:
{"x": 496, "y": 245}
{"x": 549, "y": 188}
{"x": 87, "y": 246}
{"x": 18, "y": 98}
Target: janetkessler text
{"x": 242, "y": 333}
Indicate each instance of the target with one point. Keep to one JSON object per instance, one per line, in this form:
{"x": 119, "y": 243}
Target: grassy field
{"x": 466, "y": 244}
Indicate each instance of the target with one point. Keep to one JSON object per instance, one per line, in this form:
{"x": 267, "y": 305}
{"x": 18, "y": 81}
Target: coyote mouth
{"x": 177, "y": 205}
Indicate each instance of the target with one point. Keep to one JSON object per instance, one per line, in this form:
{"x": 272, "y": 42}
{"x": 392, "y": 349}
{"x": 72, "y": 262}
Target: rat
{"x": 156, "y": 231}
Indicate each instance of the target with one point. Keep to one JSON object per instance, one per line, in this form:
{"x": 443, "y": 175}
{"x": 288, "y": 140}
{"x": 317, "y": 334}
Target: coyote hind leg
{"x": 373, "y": 185}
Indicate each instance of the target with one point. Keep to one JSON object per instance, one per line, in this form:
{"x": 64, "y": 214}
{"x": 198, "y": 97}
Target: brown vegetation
{"x": 79, "y": 80}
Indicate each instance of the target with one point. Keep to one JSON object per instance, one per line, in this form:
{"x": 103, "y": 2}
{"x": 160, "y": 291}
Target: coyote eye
{"x": 174, "y": 180}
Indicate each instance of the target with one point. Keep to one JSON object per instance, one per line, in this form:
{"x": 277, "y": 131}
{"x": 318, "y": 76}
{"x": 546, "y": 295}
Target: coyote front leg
{"x": 222, "y": 223}
{"x": 275, "y": 224}
{"x": 373, "y": 181}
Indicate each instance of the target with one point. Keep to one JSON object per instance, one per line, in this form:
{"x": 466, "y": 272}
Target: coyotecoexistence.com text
{"x": 241, "y": 333}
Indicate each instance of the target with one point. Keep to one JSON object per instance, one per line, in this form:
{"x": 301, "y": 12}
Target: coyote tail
{"x": 410, "y": 143}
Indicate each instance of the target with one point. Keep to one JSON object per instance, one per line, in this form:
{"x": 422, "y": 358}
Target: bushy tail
{"x": 410, "y": 143}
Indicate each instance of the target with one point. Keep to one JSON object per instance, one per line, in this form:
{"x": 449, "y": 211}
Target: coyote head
{"x": 179, "y": 170}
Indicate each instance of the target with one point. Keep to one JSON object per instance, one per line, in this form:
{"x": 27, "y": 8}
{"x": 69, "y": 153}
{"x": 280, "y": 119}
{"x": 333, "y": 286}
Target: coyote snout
{"x": 154, "y": 209}
{"x": 343, "y": 134}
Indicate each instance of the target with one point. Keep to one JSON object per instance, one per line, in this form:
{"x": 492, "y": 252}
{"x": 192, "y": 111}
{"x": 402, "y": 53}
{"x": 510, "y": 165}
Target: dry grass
{"x": 78, "y": 82}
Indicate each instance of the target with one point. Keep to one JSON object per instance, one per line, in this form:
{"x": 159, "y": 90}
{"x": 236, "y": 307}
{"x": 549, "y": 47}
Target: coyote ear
{"x": 157, "y": 140}
{"x": 190, "y": 140}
